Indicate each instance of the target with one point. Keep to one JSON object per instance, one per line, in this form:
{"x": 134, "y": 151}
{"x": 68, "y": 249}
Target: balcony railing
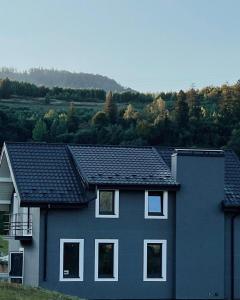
{"x": 19, "y": 226}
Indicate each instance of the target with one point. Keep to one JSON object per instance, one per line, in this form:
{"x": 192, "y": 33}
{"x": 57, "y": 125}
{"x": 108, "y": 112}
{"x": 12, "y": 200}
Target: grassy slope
{"x": 18, "y": 292}
{"x": 3, "y": 246}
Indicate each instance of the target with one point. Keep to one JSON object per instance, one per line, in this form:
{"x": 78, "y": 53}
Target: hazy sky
{"x": 148, "y": 45}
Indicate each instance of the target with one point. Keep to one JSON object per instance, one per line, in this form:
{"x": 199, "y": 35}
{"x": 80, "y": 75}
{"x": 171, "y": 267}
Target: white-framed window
{"x": 107, "y": 204}
{"x": 155, "y": 260}
{"x": 156, "y": 205}
{"x": 71, "y": 259}
{"x": 106, "y": 260}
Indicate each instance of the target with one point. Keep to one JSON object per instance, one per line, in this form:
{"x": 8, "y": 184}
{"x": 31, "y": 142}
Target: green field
{"x": 19, "y": 292}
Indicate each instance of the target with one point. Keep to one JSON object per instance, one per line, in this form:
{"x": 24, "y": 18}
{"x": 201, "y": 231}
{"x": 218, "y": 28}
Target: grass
{"x": 3, "y": 246}
{"x": 10, "y": 291}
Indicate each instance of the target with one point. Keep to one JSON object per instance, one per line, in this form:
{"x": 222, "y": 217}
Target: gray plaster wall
{"x": 236, "y": 256}
{"x": 199, "y": 227}
{"x": 130, "y": 229}
{"x": 31, "y": 251}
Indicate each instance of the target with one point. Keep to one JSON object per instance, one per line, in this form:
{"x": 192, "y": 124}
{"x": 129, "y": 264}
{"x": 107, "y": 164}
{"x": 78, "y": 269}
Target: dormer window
{"x": 107, "y": 204}
{"x": 156, "y": 204}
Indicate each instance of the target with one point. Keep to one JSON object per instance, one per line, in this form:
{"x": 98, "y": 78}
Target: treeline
{"x": 190, "y": 121}
{"x": 9, "y": 88}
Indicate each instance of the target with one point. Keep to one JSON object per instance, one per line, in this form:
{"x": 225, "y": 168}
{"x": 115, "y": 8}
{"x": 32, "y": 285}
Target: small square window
{"x": 156, "y": 204}
{"x": 107, "y": 204}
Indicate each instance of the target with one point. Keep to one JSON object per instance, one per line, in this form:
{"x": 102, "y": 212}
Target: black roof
{"x": 231, "y": 176}
{"x": 117, "y": 165}
{"x": 45, "y": 173}
{"x": 61, "y": 174}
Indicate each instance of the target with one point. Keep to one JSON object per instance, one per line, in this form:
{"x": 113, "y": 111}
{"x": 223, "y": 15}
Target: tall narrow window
{"x": 155, "y": 256}
{"x": 71, "y": 259}
{"x": 107, "y": 204}
{"x": 106, "y": 260}
{"x": 156, "y": 204}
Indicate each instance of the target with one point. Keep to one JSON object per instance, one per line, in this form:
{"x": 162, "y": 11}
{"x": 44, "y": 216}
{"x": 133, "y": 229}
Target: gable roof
{"x": 44, "y": 173}
{"x": 231, "y": 174}
{"x": 116, "y": 165}
{"x": 61, "y": 174}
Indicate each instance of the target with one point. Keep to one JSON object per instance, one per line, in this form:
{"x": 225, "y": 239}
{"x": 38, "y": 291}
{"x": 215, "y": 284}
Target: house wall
{"x": 130, "y": 229}
{"x": 236, "y": 256}
{"x": 31, "y": 251}
{"x": 199, "y": 226}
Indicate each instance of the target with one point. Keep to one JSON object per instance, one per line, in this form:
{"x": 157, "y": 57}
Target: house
{"x": 111, "y": 222}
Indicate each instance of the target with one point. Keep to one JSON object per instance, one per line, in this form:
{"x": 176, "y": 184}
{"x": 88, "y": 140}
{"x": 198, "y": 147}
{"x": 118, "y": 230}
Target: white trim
{"x": 115, "y": 259}
{"x": 5, "y": 179}
{"x": 164, "y": 260}
{"x": 81, "y": 259}
{"x": 21, "y": 250}
{"x": 116, "y": 205}
{"x": 10, "y": 168}
{"x": 165, "y": 206}
{"x": 5, "y": 202}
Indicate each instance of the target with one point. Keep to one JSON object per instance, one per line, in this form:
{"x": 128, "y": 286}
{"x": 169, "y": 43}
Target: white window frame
{"x": 81, "y": 259}
{"x": 164, "y": 202}
{"x": 21, "y": 250}
{"x": 116, "y": 204}
{"x": 164, "y": 260}
{"x": 115, "y": 259}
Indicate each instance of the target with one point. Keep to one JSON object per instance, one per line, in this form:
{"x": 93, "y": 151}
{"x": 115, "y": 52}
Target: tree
{"x": 40, "y": 131}
{"x": 181, "y": 110}
{"x": 194, "y": 104}
{"x": 110, "y": 108}
{"x": 72, "y": 118}
{"x": 5, "y": 88}
{"x": 100, "y": 119}
{"x": 130, "y": 114}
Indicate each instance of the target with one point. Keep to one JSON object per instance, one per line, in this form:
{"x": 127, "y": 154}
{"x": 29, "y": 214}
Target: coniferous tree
{"x": 39, "y": 133}
{"x": 5, "y": 88}
{"x": 110, "y": 108}
{"x": 181, "y": 110}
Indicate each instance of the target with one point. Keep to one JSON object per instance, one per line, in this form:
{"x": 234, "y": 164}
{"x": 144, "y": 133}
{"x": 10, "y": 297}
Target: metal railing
{"x": 19, "y": 225}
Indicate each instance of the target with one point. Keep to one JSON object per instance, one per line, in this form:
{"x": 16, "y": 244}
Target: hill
{"x": 64, "y": 79}
{"x": 19, "y": 292}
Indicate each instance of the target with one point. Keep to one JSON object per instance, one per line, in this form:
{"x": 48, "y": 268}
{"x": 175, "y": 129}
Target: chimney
{"x": 199, "y": 223}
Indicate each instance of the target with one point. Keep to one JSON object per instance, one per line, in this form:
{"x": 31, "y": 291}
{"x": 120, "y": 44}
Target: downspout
{"x": 232, "y": 290}
{"x": 45, "y": 245}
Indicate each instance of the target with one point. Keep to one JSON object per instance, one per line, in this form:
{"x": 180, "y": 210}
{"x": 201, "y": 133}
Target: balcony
{"x": 19, "y": 226}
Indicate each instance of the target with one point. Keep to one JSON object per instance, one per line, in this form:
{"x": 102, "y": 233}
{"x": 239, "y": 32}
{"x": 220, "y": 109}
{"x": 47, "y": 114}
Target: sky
{"x": 148, "y": 45}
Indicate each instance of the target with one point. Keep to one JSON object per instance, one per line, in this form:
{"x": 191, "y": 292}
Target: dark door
{"x": 16, "y": 267}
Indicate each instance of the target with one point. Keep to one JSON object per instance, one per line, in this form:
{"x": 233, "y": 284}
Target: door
{"x": 16, "y": 267}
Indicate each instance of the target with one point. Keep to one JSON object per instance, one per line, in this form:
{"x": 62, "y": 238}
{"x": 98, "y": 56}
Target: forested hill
{"x": 64, "y": 79}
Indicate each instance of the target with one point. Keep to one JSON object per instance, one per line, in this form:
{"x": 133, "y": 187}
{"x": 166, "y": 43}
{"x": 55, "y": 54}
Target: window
{"x": 71, "y": 259}
{"x": 156, "y": 205}
{"x": 107, "y": 204}
{"x": 106, "y": 260}
{"x": 155, "y": 260}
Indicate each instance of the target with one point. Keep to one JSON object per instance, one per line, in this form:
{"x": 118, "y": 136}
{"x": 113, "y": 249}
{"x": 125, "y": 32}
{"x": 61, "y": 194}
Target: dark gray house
{"x": 110, "y": 222}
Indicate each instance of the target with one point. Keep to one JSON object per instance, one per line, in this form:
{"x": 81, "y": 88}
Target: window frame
{"x": 115, "y": 204}
{"x": 164, "y": 203}
{"x": 164, "y": 260}
{"x": 81, "y": 259}
{"x": 115, "y": 259}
